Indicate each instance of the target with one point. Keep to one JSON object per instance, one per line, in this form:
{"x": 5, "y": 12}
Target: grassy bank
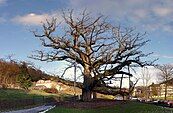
{"x": 129, "y": 107}
{"x": 12, "y": 94}
{"x": 11, "y": 99}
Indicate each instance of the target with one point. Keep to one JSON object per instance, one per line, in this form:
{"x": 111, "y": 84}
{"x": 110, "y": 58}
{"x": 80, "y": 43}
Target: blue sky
{"x": 17, "y": 17}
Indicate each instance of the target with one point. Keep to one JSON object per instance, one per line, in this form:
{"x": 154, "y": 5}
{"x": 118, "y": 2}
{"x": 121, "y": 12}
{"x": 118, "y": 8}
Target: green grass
{"x": 12, "y": 99}
{"x": 12, "y": 94}
{"x": 43, "y": 93}
{"x": 130, "y": 107}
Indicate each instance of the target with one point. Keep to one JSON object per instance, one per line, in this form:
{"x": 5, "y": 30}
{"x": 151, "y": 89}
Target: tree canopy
{"x": 100, "y": 48}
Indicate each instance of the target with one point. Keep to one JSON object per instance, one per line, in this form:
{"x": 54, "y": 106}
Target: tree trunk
{"x": 86, "y": 91}
{"x": 94, "y": 95}
{"x": 121, "y": 81}
{"x": 165, "y": 91}
{"x": 86, "y": 95}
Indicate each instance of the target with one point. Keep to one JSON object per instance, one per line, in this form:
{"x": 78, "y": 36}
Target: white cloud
{"x": 31, "y": 19}
{"x": 35, "y": 19}
{"x": 2, "y": 1}
{"x": 163, "y": 56}
{"x": 141, "y": 13}
{"x": 150, "y": 15}
{"x": 152, "y": 72}
{"x": 2, "y": 20}
{"x": 167, "y": 28}
{"x": 163, "y": 11}
{"x": 109, "y": 7}
{"x": 57, "y": 69}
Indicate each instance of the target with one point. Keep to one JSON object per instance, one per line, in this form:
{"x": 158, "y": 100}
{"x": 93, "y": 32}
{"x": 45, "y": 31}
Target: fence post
{"x": 43, "y": 100}
{"x": 33, "y": 100}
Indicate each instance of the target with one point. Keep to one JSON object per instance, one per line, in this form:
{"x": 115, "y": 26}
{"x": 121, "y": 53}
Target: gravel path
{"x": 39, "y": 109}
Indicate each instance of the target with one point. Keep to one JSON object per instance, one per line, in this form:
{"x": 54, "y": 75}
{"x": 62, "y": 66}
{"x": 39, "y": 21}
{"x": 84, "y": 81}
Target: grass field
{"x": 19, "y": 99}
{"x": 11, "y": 99}
{"x": 12, "y": 94}
{"x": 130, "y": 107}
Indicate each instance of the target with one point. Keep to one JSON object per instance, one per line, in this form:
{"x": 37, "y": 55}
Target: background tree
{"x": 8, "y": 70}
{"x": 165, "y": 74}
{"x": 24, "y": 78}
{"x": 154, "y": 90}
{"x": 132, "y": 85}
{"x": 146, "y": 77}
{"x": 101, "y": 49}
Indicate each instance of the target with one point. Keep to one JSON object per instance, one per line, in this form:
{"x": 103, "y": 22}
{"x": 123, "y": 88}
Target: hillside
{"x": 9, "y": 71}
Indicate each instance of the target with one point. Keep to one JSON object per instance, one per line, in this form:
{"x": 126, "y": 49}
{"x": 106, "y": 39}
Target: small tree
{"x": 165, "y": 74}
{"x": 24, "y": 79}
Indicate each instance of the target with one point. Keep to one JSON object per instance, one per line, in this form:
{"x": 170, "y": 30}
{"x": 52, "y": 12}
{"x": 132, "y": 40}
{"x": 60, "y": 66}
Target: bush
{"x": 51, "y": 90}
{"x": 4, "y": 86}
{"x": 23, "y": 78}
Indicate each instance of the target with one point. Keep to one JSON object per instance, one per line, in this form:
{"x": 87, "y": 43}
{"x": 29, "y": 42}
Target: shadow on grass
{"x": 128, "y": 107}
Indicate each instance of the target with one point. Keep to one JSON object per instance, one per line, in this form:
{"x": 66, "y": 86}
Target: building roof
{"x": 154, "y": 85}
{"x": 169, "y": 82}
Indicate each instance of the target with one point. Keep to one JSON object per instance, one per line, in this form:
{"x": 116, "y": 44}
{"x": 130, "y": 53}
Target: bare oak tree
{"x": 101, "y": 49}
{"x": 165, "y": 74}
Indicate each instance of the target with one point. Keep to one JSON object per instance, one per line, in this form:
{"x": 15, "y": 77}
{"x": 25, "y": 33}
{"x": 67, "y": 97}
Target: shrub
{"x": 4, "y": 86}
{"x": 24, "y": 78}
{"x": 51, "y": 90}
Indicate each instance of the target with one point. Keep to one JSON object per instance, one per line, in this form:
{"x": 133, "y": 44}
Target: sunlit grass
{"x": 12, "y": 94}
{"x": 162, "y": 98}
{"x": 40, "y": 92}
